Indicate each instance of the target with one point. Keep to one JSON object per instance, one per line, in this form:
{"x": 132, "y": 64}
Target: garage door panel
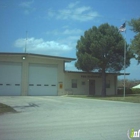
{"x": 10, "y": 90}
{"x": 10, "y": 78}
{"x": 10, "y": 70}
{"x": 41, "y": 79}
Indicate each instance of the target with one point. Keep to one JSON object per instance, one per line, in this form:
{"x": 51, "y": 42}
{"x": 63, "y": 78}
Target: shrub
{"x": 127, "y": 91}
{"x": 135, "y": 91}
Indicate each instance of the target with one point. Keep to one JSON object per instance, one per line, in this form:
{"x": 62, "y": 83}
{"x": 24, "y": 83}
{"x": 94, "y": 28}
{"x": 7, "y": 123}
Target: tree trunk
{"x": 103, "y": 83}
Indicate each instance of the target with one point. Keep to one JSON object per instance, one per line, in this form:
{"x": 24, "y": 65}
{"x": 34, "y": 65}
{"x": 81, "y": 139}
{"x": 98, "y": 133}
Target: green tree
{"x": 135, "y": 43}
{"x": 101, "y": 48}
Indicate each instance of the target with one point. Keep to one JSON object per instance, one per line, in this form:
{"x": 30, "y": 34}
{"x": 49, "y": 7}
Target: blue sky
{"x": 54, "y": 26}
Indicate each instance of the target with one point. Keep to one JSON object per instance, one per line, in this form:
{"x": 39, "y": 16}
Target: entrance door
{"x": 91, "y": 87}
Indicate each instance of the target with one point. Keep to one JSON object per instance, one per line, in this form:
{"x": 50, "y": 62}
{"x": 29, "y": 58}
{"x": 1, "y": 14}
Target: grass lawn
{"x": 5, "y": 108}
{"x": 134, "y": 98}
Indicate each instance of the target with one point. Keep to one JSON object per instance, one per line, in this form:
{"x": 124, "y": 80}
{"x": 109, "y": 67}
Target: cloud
{"x": 66, "y": 36}
{"x": 51, "y": 13}
{"x": 73, "y": 31}
{"x": 65, "y": 32}
{"x": 74, "y": 12}
{"x": 53, "y": 32}
{"x": 41, "y": 46}
{"x": 26, "y": 5}
{"x": 72, "y": 5}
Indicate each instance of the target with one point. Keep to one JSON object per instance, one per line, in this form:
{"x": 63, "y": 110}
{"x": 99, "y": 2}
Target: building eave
{"x": 82, "y": 72}
{"x": 66, "y": 59}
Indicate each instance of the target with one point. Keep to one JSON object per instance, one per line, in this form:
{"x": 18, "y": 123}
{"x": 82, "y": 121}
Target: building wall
{"x": 113, "y": 87}
{"x": 64, "y": 85}
{"x": 37, "y": 60}
{"x": 84, "y": 89}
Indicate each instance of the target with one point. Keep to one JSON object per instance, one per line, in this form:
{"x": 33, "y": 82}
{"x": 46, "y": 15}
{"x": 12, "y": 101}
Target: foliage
{"x": 129, "y": 91}
{"x": 128, "y": 83}
{"x": 121, "y": 91}
{"x": 135, "y": 91}
{"x": 5, "y": 108}
{"x": 135, "y": 23}
{"x": 102, "y": 48}
{"x": 135, "y": 43}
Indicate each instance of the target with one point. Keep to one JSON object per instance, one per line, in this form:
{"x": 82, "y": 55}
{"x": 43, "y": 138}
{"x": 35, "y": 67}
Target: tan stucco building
{"x": 28, "y": 74}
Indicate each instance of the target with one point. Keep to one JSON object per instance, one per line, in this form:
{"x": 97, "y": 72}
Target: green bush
{"x": 127, "y": 91}
{"x": 135, "y": 91}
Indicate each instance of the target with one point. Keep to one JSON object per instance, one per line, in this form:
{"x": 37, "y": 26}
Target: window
{"x": 83, "y": 83}
{"x": 108, "y": 84}
{"x": 74, "y": 83}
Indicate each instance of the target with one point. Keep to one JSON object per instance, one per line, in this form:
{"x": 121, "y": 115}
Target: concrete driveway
{"x": 65, "y": 118}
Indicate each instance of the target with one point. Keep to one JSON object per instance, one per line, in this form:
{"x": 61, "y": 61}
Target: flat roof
{"x": 67, "y": 59}
{"x": 83, "y": 72}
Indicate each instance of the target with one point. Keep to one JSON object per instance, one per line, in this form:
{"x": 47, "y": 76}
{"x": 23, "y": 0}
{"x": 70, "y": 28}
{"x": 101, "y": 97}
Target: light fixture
{"x": 23, "y": 57}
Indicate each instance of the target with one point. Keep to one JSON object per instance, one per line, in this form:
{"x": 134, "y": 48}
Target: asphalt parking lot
{"x": 67, "y": 118}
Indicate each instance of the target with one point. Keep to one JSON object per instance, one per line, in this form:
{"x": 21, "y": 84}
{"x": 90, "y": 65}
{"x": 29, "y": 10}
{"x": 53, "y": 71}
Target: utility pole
{"x": 26, "y": 42}
{"x": 124, "y": 60}
{"x": 123, "y": 29}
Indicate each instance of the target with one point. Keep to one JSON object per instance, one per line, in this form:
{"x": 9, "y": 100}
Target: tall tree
{"x": 135, "y": 43}
{"x": 101, "y": 48}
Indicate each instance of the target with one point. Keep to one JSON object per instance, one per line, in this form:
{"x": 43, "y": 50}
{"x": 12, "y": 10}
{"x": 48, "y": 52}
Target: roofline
{"x": 67, "y": 59}
{"x": 82, "y": 72}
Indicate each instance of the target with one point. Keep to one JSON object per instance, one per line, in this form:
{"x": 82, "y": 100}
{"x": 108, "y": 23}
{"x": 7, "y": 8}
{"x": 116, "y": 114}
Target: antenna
{"x": 26, "y": 41}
